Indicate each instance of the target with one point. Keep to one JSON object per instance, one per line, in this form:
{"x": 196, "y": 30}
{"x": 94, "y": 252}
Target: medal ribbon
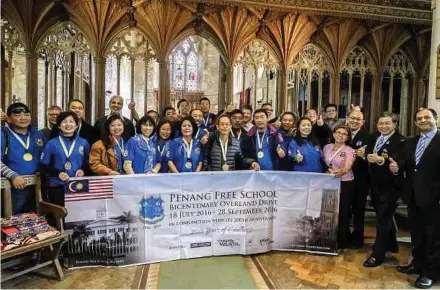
{"x": 238, "y": 135}
{"x": 188, "y": 148}
{"x": 334, "y": 155}
{"x": 205, "y": 121}
{"x": 260, "y": 141}
{"x": 224, "y": 149}
{"x": 26, "y": 146}
{"x": 121, "y": 146}
{"x": 72, "y": 146}
{"x": 146, "y": 141}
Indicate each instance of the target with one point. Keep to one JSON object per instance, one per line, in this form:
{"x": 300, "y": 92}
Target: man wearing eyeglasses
{"x": 331, "y": 116}
{"x": 360, "y": 141}
{"x": 52, "y": 116}
{"x": 21, "y": 149}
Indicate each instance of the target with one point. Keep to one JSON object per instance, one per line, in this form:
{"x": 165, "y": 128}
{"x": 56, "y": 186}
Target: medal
{"x": 188, "y": 164}
{"x": 67, "y": 165}
{"x": 188, "y": 149}
{"x": 28, "y": 157}
{"x": 224, "y": 147}
{"x": 260, "y": 145}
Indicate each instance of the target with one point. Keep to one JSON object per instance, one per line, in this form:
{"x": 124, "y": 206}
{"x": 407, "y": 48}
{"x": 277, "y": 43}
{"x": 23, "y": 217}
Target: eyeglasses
{"x": 341, "y": 134}
{"x": 20, "y": 110}
{"x": 330, "y": 111}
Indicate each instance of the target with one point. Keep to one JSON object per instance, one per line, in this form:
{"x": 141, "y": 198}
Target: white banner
{"x": 138, "y": 219}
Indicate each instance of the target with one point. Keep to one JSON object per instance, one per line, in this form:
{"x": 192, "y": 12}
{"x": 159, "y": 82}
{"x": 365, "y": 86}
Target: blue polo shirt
{"x": 53, "y": 155}
{"x": 142, "y": 155}
{"x": 178, "y": 155}
{"x": 266, "y": 162}
{"x": 311, "y": 156}
{"x": 15, "y": 151}
{"x": 163, "y": 146}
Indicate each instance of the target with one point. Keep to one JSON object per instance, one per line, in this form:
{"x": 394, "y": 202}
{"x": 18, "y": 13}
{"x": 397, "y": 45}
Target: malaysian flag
{"x": 87, "y": 189}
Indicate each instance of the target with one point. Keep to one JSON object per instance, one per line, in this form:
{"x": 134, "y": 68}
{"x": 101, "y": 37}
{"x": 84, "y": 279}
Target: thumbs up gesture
{"x": 320, "y": 121}
{"x": 280, "y": 152}
{"x": 230, "y": 107}
{"x": 394, "y": 167}
{"x": 361, "y": 151}
{"x": 372, "y": 158}
{"x": 132, "y": 104}
{"x": 298, "y": 157}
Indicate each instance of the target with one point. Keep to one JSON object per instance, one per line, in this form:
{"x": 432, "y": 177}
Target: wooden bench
{"x": 52, "y": 245}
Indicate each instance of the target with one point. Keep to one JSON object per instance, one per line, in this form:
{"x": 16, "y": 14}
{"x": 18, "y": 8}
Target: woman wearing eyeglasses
{"x": 141, "y": 154}
{"x": 304, "y": 149}
{"x": 339, "y": 158}
{"x": 185, "y": 153}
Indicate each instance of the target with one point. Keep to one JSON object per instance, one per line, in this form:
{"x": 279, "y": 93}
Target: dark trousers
{"x": 347, "y": 188}
{"x": 425, "y": 237}
{"x": 23, "y": 200}
{"x": 357, "y": 208}
{"x": 55, "y": 194}
{"x": 385, "y": 203}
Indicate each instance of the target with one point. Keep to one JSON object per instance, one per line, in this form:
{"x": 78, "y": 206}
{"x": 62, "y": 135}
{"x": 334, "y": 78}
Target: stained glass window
{"x": 183, "y": 67}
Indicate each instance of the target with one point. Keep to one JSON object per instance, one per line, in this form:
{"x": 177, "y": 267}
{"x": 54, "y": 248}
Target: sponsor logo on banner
{"x": 228, "y": 243}
{"x": 266, "y": 241}
{"x": 200, "y": 245}
{"x": 151, "y": 210}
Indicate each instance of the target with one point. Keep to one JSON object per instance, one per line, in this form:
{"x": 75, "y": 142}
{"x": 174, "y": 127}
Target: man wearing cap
{"x": 21, "y": 148}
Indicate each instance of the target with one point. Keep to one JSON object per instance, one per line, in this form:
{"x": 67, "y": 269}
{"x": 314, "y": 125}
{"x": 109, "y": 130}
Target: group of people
{"x": 387, "y": 165}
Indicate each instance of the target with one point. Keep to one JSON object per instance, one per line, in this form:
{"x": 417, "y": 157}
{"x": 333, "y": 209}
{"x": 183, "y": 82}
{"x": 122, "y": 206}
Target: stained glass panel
{"x": 191, "y": 72}
{"x": 179, "y": 70}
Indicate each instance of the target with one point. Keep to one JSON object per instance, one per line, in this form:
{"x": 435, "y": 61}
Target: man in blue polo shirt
{"x": 21, "y": 147}
{"x": 267, "y": 141}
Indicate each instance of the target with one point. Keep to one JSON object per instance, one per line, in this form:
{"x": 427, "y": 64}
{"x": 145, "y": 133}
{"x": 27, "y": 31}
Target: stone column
{"x": 244, "y": 79}
{"x": 81, "y": 79}
{"x": 46, "y": 85}
{"x": 404, "y": 106}
{"x": 10, "y": 76}
{"x": 255, "y": 85}
{"x": 283, "y": 104}
{"x": 296, "y": 98}
{"x": 309, "y": 89}
{"x": 164, "y": 85}
{"x": 375, "y": 100}
{"x": 229, "y": 87}
{"x": 391, "y": 93}
{"x": 146, "y": 85}
{"x": 221, "y": 83}
{"x": 55, "y": 84}
{"x": 118, "y": 75}
{"x": 99, "y": 86}
{"x": 350, "y": 86}
{"x": 434, "y": 71}
{"x": 63, "y": 93}
{"x": 361, "y": 98}
{"x": 32, "y": 85}
{"x": 320, "y": 81}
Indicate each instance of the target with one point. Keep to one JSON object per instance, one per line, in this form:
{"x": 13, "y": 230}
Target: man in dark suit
{"x": 421, "y": 190}
{"x": 85, "y": 130}
{"x": 360, "y": 140}
{"x": 116, "y": 103}
{"x": 385, "y": 186}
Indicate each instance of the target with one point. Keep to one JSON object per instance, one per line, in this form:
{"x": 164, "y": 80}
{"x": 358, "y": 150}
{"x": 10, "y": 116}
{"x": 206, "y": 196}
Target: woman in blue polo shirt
{"x": 185, "y": 154}
{"x": 163, "y": 140}
{"x": 64, "y": 156}
{"x": 141, "y": 155}
{"x": 304, "y": 149}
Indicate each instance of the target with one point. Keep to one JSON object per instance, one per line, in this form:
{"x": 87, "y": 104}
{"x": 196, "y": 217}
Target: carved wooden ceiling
{"x": 284, "y": 25}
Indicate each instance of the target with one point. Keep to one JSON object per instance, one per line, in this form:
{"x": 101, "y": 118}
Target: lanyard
{"x": 205, "y": 121}
{"x": 238, "y": 135}
{"x": 121, "y": 146}
{"x": 260, "y": 141}
{"x": 334, "y": 155}
{"x": 188, "y": 148}
{"x": 224, "y": 149}
{"x": 26, "y": 146}
{"x": 163, "y": 149}
{"x": 72, "y": 146}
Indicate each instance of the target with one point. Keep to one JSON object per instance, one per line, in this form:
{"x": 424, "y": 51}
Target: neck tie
{"x": 420, "y": 148}
{"x": 379, "y": 143}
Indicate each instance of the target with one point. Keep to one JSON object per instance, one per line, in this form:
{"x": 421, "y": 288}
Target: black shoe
{"x": 409, "y": 269}
{"x": 424, "y": 282}
{"x": 372, "y": 262}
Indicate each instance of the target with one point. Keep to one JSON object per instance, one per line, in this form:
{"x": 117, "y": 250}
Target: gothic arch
{"x": 400, "y": 64}
{"x": 358, "y": 59}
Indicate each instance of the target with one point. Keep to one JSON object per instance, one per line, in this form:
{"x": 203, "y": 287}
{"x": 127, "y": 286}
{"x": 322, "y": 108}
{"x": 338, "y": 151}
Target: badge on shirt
{"x": 39, "y": 142}
{"x": 342, "y": 154}
{"x": 197, "y": 151}
{"x": 42, "y": 156}
{"x": 125, "y": 153}
{"x": 81, "y": 150}
{"x": 168, "y": 154}
{"x": 385, "y": 154}
{"x": 359, "y": 143}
